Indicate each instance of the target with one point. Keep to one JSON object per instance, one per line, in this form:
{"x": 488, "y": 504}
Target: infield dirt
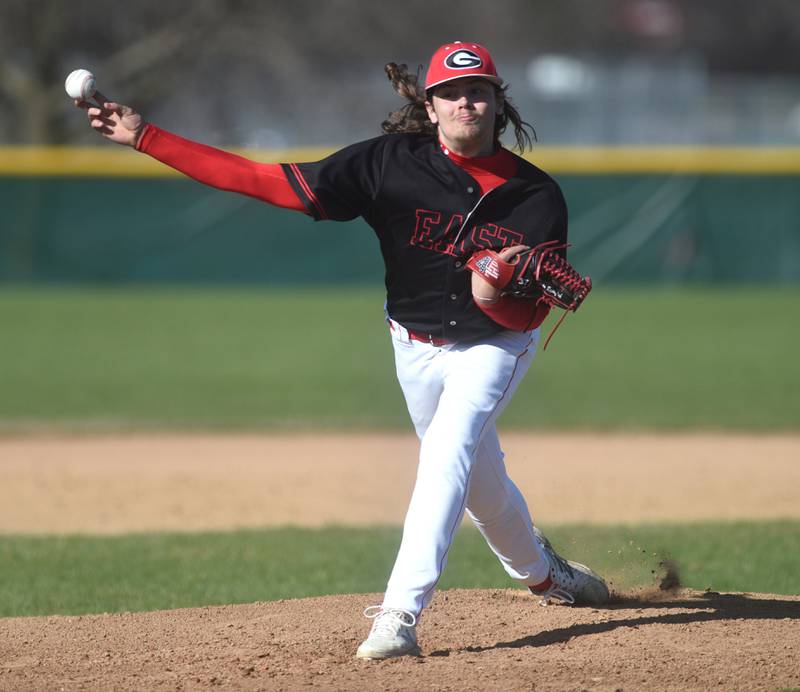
{"x": 470, "y": 639}
{"x": 117, "y": 484}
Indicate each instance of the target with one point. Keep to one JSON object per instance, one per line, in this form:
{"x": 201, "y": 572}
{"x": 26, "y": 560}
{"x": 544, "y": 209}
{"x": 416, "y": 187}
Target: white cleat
{"x": 393, "y": 633}
{"x": 570, "y": 582}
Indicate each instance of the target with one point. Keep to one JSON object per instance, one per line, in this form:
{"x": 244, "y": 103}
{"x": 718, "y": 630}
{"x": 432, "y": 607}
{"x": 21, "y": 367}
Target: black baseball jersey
{"x": 429, "y": 216}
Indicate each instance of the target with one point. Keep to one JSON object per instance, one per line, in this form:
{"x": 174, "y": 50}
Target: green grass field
{"x": 106, "y": 359}
{"x": 74, "y": 575}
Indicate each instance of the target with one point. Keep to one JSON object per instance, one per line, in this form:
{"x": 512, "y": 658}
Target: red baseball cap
{"x": 457, "y": 60}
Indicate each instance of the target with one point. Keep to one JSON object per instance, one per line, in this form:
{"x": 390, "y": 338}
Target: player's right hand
{"x": 120, "y": 124}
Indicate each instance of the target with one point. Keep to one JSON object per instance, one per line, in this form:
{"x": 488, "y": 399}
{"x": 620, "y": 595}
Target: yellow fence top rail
{"x": 111, "y": 161}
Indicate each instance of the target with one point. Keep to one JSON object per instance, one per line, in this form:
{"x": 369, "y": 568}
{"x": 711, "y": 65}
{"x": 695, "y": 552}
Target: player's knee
{"x": 487, "y": 513}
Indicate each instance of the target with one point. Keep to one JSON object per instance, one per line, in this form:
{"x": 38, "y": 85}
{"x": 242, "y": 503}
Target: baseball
{"x": 80, "y": 85}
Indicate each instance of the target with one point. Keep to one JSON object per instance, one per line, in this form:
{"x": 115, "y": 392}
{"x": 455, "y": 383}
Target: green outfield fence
{"x": 636, "y": 215}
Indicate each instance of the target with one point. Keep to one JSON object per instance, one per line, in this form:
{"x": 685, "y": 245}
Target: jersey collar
{"x": 502, "y": 163}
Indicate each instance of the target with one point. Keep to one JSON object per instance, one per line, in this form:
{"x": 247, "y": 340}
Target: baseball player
{"x": 439, "y": 190}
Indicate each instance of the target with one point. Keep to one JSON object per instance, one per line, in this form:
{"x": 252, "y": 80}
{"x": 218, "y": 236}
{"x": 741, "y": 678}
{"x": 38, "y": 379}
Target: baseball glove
{"x": 541, "y": 272}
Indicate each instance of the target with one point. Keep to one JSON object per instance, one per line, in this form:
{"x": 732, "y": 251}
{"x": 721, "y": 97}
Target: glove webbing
{"x": 561, "y": 270}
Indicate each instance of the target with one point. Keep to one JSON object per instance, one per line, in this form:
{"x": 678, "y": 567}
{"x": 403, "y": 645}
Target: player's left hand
{"x": 482, "y": 290}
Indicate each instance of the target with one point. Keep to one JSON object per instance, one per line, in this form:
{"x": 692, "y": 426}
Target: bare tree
{"x": 221, "y": 66}
{"x": 142, "y": 47}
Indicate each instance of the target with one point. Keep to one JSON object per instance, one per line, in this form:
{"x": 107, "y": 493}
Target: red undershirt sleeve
{"x": 217, "y": 168}
{"x": 519, "y": 314}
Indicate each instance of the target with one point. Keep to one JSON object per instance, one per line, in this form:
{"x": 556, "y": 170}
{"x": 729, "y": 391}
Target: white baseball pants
{"x": 454, "y": 394}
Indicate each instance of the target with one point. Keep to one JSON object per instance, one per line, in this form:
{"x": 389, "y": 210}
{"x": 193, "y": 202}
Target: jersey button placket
{"x": 472, "y": 203}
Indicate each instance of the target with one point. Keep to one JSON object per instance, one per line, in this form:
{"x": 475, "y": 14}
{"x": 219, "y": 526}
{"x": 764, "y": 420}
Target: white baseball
{"x": 80, "y": 85}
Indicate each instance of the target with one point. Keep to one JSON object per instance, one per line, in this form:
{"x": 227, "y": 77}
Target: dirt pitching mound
{"x": 470, "y": 639}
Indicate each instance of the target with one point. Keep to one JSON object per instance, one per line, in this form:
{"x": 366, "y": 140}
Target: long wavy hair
{"x": 413, "y": 116}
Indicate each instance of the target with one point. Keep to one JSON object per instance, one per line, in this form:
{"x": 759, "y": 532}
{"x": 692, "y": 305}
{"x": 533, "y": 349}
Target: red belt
{"x": 428, "y": 339}
{"x": 424, "y": 338}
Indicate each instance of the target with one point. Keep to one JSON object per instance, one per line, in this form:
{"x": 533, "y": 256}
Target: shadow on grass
{"x": 705, "y": 607}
